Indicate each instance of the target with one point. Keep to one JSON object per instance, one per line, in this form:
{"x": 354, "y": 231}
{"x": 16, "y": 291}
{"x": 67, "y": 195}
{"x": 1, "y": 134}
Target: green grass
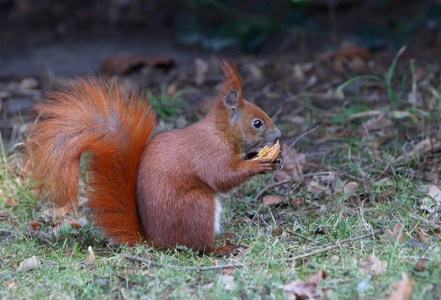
{"x": 389, "y": 190}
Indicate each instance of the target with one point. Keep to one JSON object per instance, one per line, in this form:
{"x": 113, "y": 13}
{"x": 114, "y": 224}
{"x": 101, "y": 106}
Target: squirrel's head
{"x": 248, "y": 125}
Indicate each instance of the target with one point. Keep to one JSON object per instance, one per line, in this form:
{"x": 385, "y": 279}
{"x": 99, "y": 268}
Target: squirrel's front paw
{"x": 266, "y": 165}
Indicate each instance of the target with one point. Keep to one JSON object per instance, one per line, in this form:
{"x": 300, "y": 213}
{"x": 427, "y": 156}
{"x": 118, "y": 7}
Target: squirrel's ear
{"x": 231, "y": 81}
{"x": 231, "y": 103}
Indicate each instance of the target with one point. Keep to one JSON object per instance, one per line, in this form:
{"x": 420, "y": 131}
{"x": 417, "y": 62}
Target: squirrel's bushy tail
{"x": 114, "y": 126}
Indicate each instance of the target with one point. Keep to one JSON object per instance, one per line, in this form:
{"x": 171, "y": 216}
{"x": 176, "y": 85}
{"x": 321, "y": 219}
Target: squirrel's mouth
{"x": 254, "y": 152}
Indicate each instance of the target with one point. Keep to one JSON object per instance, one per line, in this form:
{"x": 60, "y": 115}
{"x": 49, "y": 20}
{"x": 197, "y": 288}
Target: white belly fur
{"x": 217, "y": 214}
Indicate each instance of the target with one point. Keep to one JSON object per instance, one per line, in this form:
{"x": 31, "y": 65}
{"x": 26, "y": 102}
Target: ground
{"x": 357, "y": 198}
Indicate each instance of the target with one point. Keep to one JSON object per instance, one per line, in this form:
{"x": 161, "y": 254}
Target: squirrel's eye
{"x": 257, "y": 123}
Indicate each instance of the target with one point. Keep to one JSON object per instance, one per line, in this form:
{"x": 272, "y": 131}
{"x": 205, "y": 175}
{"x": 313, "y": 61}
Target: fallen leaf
{"x": 90, "y": 255}
{"x": 228, "y": 271}
{"x": 373, "y": 265}
{"x": 299, "y": 289}
{"x": 11, "y": 201}
{"x": 389, "y": 233}
{"x": 34, "y": 224}
{"x": 350, "y": 188}
{"x": 29, "y": 264}
{"x": 314, "y": 187}
{"x": 398, "y": 233}
{"x": 272, "y": 200}
{"x": 125, "y": 64}
{"x": 425, "y": 146}
{"x": 59, "y": 211}
{"x": 402, "y": 289}
{"x": 421, "y": 234}
{"x": 228, "y": 282}
{"x": 377, "y": 123}
{"x": 73, "y": 223}
{"x": 347, "y": 49}
{"x": 419, "y": 266}
{"x": 431, "y": 176}
{"x": 295, "y": 201}
{"x": 293, "y": 164}
{"x": 278, "y": 231}
{"x": 432, "y": 203}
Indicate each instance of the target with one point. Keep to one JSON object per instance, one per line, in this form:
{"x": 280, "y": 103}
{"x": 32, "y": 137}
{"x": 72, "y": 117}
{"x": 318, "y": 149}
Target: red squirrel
{"x": 163, "y": 191}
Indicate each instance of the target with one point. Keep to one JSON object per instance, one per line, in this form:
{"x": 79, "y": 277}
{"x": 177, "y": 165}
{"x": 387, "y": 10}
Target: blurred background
{"x": 73, "y": 36}
{"x": 283, "y": 46}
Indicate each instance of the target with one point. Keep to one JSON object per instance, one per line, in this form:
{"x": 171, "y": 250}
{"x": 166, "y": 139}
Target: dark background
{"x": 71, "y": 37}
{"x": 43, "y": 43}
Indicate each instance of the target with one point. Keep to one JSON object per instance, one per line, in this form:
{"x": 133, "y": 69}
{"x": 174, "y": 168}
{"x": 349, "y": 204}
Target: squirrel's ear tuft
{"x": 231, "y": 81}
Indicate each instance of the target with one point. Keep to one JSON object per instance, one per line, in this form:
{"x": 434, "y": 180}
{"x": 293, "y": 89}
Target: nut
{"x": 268, "y": 152}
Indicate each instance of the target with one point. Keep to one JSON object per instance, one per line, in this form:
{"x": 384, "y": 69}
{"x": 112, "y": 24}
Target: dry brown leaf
{"x": 299, "y": 289}
{"x": 431, "y": 176}
{"x": 419, "y": 266}
{"x": 293, "y": 164}
{"x": 278, "y": 231}
{"x": 314, "y": 187}
{"x": 377, "y": 123}
{"x": 432, "y": 203}
{"x": 421, "y": 234}
{"x": 425, "y": 146}
{"x": 403, "y": 289}
{"x": 59, "y": 211}
{"x": 73, "y": 223}
{"x": 228, "y": 271}
{"x": 11, "y": 201}
{"x": 272, "y": 200}
{"x": 389, "y": 233}
{"x": 350, "y": 188}
{"x": 90, "y": 254}
{"x": 29, "y": 264}
{"x": 125, "y": 64}
{"x": 398, "y": 233}
{"x": 373, "y": 265}
{"x": 34, "y": 224}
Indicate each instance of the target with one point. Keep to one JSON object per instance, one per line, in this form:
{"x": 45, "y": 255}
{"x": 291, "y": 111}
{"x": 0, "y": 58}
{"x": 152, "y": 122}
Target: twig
{"x": 301, "y": 136}
{"x": 336, "y": 172}
{"x": 349, "y": 240}
{"x": 44, "y": 240}
{"x": 247, "y": 203}
{"x": 433, "y": 224}
{"x": 299, "y": 235}
{"x": 270, "y": 186}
